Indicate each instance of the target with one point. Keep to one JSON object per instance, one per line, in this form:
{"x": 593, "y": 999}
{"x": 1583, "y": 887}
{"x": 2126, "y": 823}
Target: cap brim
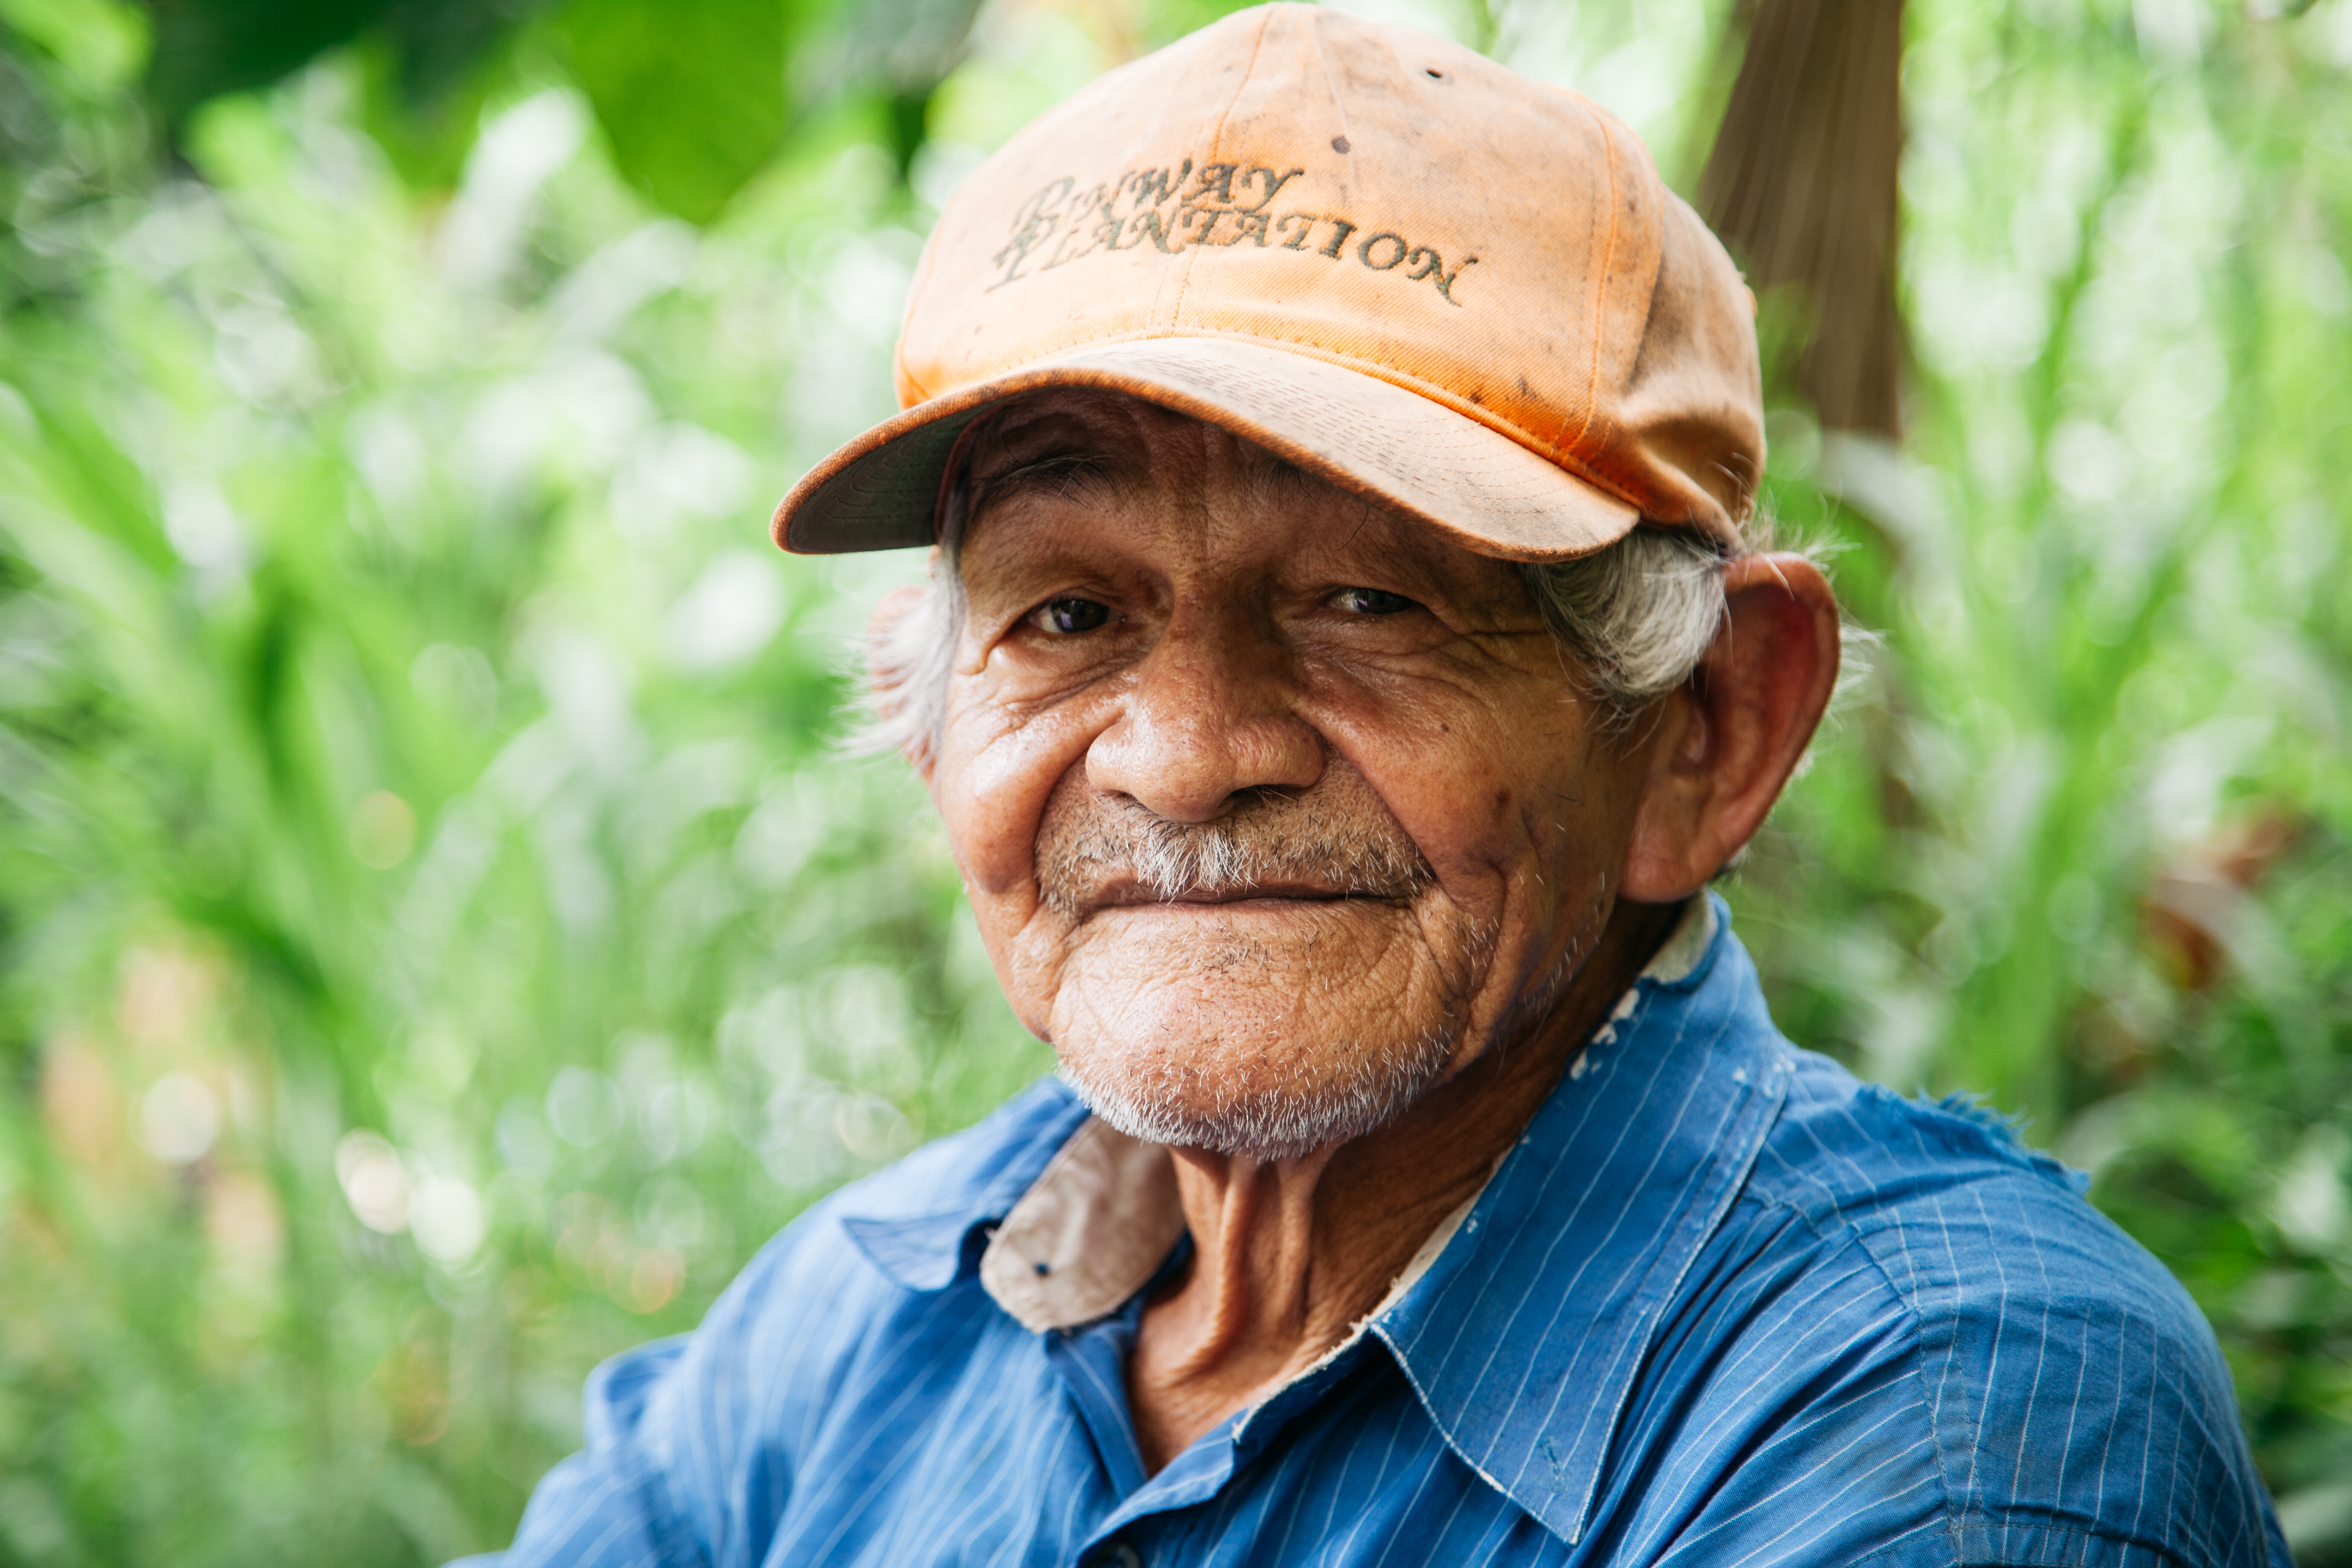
{"x": 1404, "y": 451}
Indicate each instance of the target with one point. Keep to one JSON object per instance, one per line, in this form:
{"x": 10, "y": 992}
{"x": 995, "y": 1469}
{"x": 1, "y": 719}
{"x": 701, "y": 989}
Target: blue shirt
{"x": 1721, "y": 1304}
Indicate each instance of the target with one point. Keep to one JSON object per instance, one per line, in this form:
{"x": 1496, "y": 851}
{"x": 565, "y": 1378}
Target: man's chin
{"x": 1258, "y": 1102}
{"x": 1269, "y": 1028}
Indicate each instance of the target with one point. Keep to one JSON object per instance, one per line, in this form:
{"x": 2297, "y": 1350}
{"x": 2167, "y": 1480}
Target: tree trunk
{"x": 1801, "y": 186}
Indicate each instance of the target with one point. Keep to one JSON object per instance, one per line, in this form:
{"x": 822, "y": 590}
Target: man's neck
{"x": 1289, "y": 1255}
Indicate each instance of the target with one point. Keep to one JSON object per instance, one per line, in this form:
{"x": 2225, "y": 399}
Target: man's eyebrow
{"x": 1078, "y": 469}
{"x": 1273, "y": 477}
{"x": 1064, "y": 473}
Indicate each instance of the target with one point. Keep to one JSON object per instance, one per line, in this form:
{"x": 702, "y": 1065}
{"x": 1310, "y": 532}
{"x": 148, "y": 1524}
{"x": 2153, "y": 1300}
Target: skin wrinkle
{"x": 1306, "y": 849}
{"x": 1459, "y": 666}
{"x": 1631, "y": 620}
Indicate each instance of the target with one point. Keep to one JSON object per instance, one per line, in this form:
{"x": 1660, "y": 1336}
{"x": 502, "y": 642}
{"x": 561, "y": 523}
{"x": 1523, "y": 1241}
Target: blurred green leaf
{"x": 205, "y": 47}
{"x": 101, "y": 42}
{"x": 690, "y": 93}
{"x": 416, "y": 772}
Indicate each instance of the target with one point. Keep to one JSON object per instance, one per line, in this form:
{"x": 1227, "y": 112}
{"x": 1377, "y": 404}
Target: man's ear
{"x": 1728, "y": 741}
{"x": 889, "y": 669}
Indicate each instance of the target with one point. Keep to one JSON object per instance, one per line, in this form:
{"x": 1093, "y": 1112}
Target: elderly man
{"x": 1342, "y": 671}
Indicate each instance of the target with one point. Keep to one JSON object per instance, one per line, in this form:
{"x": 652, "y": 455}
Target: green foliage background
{"x": 442, "y": 940}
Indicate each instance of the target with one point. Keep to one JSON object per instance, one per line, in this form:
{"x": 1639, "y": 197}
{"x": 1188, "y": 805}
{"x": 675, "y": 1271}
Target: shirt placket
{"x": 1092, "y": 1363}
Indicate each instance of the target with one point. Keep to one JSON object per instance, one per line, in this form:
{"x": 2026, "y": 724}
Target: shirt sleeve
{"x": 695, "y": 1444}
{"x": 608, "y": 1506}
{"x": 683, "y": 1452}
{"x": 2052, "y": 1400}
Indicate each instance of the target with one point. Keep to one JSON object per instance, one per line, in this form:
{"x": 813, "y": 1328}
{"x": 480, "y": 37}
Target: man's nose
{"x": 1212, "y": 714}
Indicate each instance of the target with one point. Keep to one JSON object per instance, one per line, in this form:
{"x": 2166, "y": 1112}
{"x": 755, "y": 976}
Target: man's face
{"x": 1275, "y": 810}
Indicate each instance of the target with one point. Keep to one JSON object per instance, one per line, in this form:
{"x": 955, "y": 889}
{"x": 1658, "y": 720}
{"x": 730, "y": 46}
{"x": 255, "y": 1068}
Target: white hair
{"x": 1635, "y": 618}
{"x": 1632, "y": 620}
{"x": 1279, "y": 1111}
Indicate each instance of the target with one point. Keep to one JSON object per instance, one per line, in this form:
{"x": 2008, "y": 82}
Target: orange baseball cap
{"x": 1459, "y": 293}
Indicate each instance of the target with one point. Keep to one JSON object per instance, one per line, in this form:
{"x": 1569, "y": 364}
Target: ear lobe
{"x": 1729, "y": 740}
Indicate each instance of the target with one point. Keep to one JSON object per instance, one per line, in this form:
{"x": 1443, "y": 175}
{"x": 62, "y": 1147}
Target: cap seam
{"x": 1600, "y": 278}
{"x": 1216, "y": 150}
{"x": 1323, "y": 63}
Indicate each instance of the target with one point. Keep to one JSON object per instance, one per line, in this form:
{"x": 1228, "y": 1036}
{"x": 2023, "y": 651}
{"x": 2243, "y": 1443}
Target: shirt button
{"x": 1120, "y": 1554}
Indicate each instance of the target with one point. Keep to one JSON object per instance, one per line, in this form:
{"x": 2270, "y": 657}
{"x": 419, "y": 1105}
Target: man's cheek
{"x": 1030, "y": 946}
{"x": 991, "y": 819}
{"x": 1459, "y": 779}
{"x": 995, "y": 778}
{"x": 1029, "y": 963}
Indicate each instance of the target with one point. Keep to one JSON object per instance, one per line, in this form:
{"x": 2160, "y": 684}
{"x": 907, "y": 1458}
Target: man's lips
{"x": 1133, "y": 895}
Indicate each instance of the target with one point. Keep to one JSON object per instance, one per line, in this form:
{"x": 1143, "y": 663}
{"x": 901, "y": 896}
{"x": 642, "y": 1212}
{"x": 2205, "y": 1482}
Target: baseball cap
{"x": 1461, "y": 294}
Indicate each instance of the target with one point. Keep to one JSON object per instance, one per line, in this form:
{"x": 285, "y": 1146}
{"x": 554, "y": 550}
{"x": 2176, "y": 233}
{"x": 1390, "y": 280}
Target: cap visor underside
{"x": 1393, "y": 447}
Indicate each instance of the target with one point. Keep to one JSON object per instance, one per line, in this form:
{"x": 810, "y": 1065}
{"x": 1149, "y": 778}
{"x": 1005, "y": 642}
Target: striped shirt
{"x": 1721, "y": 1304}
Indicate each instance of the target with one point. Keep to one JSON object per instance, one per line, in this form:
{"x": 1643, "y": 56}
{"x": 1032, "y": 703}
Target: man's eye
{"x": 1371, "y": 601}
{"x": 1072, "y": 616}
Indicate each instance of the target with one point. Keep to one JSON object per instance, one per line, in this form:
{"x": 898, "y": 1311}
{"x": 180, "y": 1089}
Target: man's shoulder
{"x": 1841, "y": 1150}
{"x": 696, "y": 1441}
{"x": 836, "y": 1286}
{"x": 1958, "y": 1213}
{"x": 2070, "y": 1388}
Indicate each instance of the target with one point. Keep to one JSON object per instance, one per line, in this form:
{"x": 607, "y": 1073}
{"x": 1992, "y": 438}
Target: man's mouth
{"x": 1125, "y": 895}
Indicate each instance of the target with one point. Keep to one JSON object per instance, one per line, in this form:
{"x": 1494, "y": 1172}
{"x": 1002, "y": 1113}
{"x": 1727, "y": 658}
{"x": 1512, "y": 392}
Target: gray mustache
{"x": 1089, "y": 843}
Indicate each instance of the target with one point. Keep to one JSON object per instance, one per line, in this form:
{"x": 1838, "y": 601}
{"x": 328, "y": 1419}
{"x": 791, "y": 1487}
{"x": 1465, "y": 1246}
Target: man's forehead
{"x": 1123, "y": 442}
{"x": 1109, "y": 459}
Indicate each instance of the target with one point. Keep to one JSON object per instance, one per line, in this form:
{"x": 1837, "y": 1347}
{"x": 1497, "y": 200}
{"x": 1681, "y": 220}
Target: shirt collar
{"x": 1524, "y": 1336}
{"x": 1082, "y": 1240}
{"x": 898, "y": 1219}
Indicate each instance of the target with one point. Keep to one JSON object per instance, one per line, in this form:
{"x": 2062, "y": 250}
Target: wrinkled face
{"x": 1275, "y": 810}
